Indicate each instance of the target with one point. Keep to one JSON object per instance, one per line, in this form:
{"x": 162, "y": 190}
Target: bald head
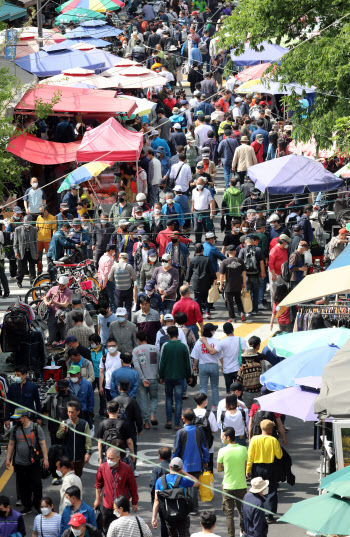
{"x": 185, "y": 290}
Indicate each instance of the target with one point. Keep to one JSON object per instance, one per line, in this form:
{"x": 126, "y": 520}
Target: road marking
{"x": 5, "y": 477}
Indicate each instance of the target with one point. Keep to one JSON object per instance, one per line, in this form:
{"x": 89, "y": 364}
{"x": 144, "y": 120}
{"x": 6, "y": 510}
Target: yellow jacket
{"x": 46, "y": 227}
{"x": 263, "y": 449}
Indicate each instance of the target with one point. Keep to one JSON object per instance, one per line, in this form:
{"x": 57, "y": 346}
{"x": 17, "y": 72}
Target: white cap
{"x": 140, "y": 197}
{"x": 167, "y": 257}
{"x": 238, "y": 100}
{"x": 121, "y": 311}
{"x": 178, "y": 188}
{"x": 209, "y": 235}
{"x": 197, "y": 92}
{"x": 168, "y": 317}
{"x": 154, "y": 133}
{"x": 124, "y": 255}
{"x": 63, "y": 280}
{"x": 177, "y": 126}
{"x": 273, "y": 218}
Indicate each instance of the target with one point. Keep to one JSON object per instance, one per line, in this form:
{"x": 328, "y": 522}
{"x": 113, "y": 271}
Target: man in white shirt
{"x": 64, "y": 469}
{"x": 181, "y": 174}
{"x": 108, "y": 364}
{"x": 202, "y": 208}
{"x": 195, "y": 99}
{"x": 169, "y": 321}
{"x": 202, "y": 130}
{"x": 208, "y": 419}
{"x": 154, "y": 175}
{"x": 236, "y": 110}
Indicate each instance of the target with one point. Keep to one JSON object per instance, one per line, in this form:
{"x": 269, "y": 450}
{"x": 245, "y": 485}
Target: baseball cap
{"x": 177, "y": 125}
{"x": 297, "y": 227}
{"x": 124, "y": 255}
{"x": 230, "y": 248}
{"x": 124, "y": 222}
{"x": 343, "y": 230}
{"x": 285, "y": 237}
{"x": 160, "y": 149}
{"x": 71, "y": 339}
{"x": 210, "y": 326}
{"x": 19, "y": 413}
{"x": 76, "y": 222}
{"x": 175, "y": 110}
{"x": 236, "y": 386}
{"x": 74, "y": 369}
{"x": 274, "y": 218}
{"x": 178, "y": 188}
{"x": 168, "y": 317}
{"x": 200, "y": 167}
{"x": 259, "y": 137}
{"x": 121, "y": 311}
{"x": 149, "y": 286}
{"x": 184, "y": 101}
{"x": 17, "y": 210}
{"x": 154, "y": 133}
{"x": 238, "y": 100}
{"x": 151, "y": 252}
{"x": 176, "y": 463}
{"x": 63, "y": 280}
{"x": 63, "y": 383}
{"x": 77, "y": 520}
{"x": 166, "y": 257}
{"x": 209, "y": 235}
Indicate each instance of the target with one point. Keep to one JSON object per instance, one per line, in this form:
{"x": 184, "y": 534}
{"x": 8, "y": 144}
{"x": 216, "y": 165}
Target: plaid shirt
{"x": 82, "y": 334}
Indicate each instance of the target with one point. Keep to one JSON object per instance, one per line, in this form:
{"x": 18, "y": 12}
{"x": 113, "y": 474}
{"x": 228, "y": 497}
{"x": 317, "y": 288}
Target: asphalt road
{"x": 300, "y": 440}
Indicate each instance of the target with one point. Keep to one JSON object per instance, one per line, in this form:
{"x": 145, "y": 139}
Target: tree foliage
{"x": 321, "y": 60}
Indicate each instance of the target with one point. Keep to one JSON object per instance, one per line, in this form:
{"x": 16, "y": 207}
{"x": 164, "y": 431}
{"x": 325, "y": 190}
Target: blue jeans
{"x": 173, "y": 388}
{"x": 168, "y": 305}
{"x": 110, "y": 288}
{"x": 202, "y": 222}
{"x": 262, "y": 287}
{"x": 227, "y": 173}
{"x": 194, "y": 329}
{"x": 206, "y": 372}
{"x": 253, "y": 286}
{"x": 143, "y": 395}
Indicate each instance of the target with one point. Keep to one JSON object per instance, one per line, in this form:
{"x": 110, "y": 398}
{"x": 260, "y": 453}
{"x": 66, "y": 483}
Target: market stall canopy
{"x": 302, "y": 364}
{"x": 77, "y": 100}
{"x": 292, "y": 174}
{"x": 110, "y": 141}
{"x": 255, "y": 71}
{"x": 272, "y": 87}
{"x": 338, "y": 482}
{"x": 344, "y": 171}
{"x": 343, "y": 260}
{"x": 70, "y": 77}
{"x": 30, "y": 44}
{"x": 318, "y": 285}
{"x": 334, "y": 395}
{"x": 288, "y": 344}
{"x": 10, "y": 12}
{"x": 77, "y": 15}
{"x": 43, "y": 64}
{"x": 78, "y": 43}
{"x": 39, "y": 151}
{"x": 26, "y": 79}
{"x": 134, "y": 78}
{"x": 94, "y": 31}
{"x": 268, "y": 53}
{"x": 101, "y": 6}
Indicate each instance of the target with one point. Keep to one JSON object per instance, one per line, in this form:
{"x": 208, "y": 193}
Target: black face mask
{"x": 102, "y": 312}
{"x": 65, "y": 213}
{"x": 61, "y": 392}
{"x": 2, "y": 513}
{"x": 122, "y": 200}
{"x": 174, "y": 241}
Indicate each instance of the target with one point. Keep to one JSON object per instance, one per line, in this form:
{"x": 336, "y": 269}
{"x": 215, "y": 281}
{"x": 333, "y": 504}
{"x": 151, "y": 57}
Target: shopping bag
{"x": 213, "y": 294}
{"x": 206, "y": 494}
{"x": 246, "y": 301}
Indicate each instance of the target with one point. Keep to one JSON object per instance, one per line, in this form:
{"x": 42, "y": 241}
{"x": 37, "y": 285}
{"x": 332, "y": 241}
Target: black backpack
{"x": 258, "y": 418}
{"x": 113, "y": 433}
{"x": 164, "y": 338}
{"x": 174, "y": 503}
{"x": 251, "y": 261}
{"x": 202, "y": 422}
{"x": 285, "y": 272}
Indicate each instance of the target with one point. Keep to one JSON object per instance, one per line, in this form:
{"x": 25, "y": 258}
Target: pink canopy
{"x": 110, "y": 141}
{"x": 40, "y": 151}
{"x": 255, "y": 71}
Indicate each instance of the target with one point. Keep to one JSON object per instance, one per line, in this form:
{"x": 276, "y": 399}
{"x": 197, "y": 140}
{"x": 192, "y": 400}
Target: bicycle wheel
{"x": 44, "y": 280}
{"x": 95, "y": 286}
{"x": 43, "y": 275}
{"x": 39, "y": 292}
{"x": 39, "y": 307}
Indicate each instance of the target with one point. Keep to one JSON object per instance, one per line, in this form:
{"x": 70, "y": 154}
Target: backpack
{"x": 178, "y": 61}
{"x": 285, "y": 272}
{"x": 113, "y": 433}
{"x": 190, "y": 338}
{"x": 203, "y": 46}
{"x": 164, "y": 337}
{"x": 174, "y": 503}
{"x": 242, "y": 411}
{"x": 258, "y": 418}
{"x": 202, "y": 422}
{"x": 251, "y": 261}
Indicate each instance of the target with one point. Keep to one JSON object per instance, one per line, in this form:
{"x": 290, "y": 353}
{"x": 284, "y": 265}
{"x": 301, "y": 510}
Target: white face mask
{"x": 140, "y": 203}
{"x": 153, "y": 259}
{"x": 138, "y": 216}
{"x": 170, "y": 201}
{"x": 76, "y": 531}
{"x": 74, "y": 379}
{"x": 59, "y": 473}
{"x": 236, "y": 230}
{"x": 245, "y": 229}
{"x": 200, "y": 187}
{"x": 67, "y": 502}
{"x": 157, "y": 211}
{"x": 112, "y": 350}
{"x": 111, "y": 463}
{"x": 35, "y": 185}
{"x": 266, "y": 491}
{"x": 93, "y": 346}
{"x": 272, "y": 224}
{"x": 17, "y": 380}
{"x": 115, "y": 513}
{"x": 45, "y": 510}
{"x": 165, "y": 264}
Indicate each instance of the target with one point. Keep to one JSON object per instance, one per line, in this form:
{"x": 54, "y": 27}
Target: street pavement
{"x": 299, "y": 436}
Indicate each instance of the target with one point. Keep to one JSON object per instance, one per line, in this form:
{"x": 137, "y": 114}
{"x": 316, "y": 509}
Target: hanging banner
{"x": 11, "y": 42}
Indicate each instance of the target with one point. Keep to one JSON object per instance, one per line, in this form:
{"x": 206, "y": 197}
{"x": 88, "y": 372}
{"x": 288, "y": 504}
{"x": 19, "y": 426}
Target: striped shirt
{"x": 127, "y": 526}
{"x": 47, "y": 527}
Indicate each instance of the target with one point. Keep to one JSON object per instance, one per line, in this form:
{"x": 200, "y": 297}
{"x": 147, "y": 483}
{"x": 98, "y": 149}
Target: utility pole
{"x": 39, "y": 19}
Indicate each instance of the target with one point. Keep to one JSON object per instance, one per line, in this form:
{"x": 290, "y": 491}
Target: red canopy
{"x": 255, "y": 71}
{"x": 110, "y": 141}
{"x": 40, "y": 151}
{"x": 77, "y": 100}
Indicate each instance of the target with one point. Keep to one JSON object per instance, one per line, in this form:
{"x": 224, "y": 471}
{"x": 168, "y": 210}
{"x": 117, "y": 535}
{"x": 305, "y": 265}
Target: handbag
{"x": 139, "y": 525}
{"x": 213, "y": 294}
{"x": 206, "y": 494}
{"x": 240, "y": 353}
{"x": 246, "y": 301}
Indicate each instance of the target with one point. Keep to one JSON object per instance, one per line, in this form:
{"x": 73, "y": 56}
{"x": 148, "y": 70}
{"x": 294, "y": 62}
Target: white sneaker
{"x": 133, "y": 308}
{"x": 136, "y": 473}
{"x": 92, "y": 431}
{"x": 267, "y": 287}
{"x": 261, "y": 307}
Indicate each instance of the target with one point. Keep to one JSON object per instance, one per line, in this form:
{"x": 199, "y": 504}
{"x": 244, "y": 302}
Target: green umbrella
{"x": 327, "y": 514}
{"x": 338, "y": 483}
{"x": 79, "y": 15}
{"x": 287, "y": 344}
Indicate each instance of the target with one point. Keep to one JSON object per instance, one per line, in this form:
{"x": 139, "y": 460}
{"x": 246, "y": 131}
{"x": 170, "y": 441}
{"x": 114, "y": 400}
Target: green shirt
{"x": 233, "y": 457}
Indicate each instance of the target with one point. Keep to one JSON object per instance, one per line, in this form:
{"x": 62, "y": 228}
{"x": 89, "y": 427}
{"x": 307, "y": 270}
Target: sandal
{"x": 146, "y": 425}
{"x": 154, "y": 423}
{"x": 168, "y": 425}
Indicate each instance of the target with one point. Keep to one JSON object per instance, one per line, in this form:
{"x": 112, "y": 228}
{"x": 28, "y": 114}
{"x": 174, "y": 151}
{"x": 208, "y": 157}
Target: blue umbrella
{"x": 309, "y": 362}
{"x": 268, "y": 53}
{"x": 292, "y": 175}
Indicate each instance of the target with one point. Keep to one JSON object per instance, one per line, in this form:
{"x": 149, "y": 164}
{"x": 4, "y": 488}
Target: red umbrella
{"x": 255, "y": 71}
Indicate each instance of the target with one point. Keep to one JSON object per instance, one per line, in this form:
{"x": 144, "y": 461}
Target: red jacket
{"x": 116, "y": 482}
{"x": 277, "y": 257}
{"x": 258, "y": 149}
{"x": 191, "y": 308}
{"x": 163, "y": 239}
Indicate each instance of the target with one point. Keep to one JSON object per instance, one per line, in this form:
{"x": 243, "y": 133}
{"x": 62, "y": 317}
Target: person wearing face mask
{"x": 63, "y": 216}
{"x": 167, "y": 282}
{"x": 34, "y": 197}
{"x": 48, "y": 523}
{"x": 163, "y": 190}
{"x": 201, "y": 412}
{"x": 78, "y": 518}
{"x": 26, "y": 439}
{"x": 120, "y": 209}
{"x": 139, "y": 219}
{"x": 10, "y": 226}
{"x": 58, "y": 297}
{"x": 263, "y": 449}
{"x": 82, "y": 389}
{"x": 203, "y": 206}
{"x": 128, "y": 241}
{"x": 114, "y": 478}
{"x": 141, "y": 202}
{"x": 123, "y": 332}
{"x": 65, "y": 471}
{"x": 254, "y": 262}
{"x": 252, "y": 201}
{"x": 80, "y": 236}
{"x": 231, "y": 202}
{"x": 179, "y": 255}
{"x": 104, "y": 267}
{"x": 11, "y": 521}
{"x": 125, "y": 278}
{"x": 109, "y": 363}
{"x": 126, "y": 524}
{"x": 25, "y": 245}
{"x": 173, "y": 210}
{"x": 157, "y": 220}
{"x": 233, "y": 237}
{"x": 275, "y": 229}
{"x": 71, "y": 199}
{"x": 58, "y": 244}
{"x": 101, "y": 236}
{"x": 22, "y": 392}
{"x": 278, "y": 255}
{"x": 46, "y": 227}
{"x": 148, "y": 267}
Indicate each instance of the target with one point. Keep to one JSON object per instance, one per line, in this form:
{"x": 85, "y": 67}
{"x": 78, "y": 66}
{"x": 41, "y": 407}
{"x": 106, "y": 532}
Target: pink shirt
{"x": 60, "y": 296}
{"x": 104, "y": 267}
